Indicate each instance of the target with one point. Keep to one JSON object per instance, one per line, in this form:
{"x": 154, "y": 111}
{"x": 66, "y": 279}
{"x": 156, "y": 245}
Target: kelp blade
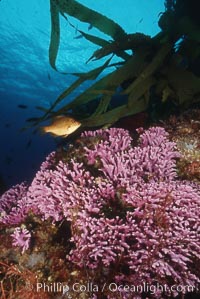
{"x": 82, "y": 13}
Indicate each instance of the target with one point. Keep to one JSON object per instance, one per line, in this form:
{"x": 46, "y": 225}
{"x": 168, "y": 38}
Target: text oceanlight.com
{"x": 113, "y": 287}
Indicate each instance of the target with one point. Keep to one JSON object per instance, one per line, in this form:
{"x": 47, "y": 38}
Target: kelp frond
{"x": 151, "y": 70}
{"x": 82, "y": 13}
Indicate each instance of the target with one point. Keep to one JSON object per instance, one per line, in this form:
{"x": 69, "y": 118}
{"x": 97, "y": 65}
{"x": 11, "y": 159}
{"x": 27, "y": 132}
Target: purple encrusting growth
{"x": 128, "y": 210}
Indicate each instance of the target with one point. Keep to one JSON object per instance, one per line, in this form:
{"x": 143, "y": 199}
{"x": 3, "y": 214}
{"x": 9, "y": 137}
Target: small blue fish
{"x": 29, "y": 143}
{"x": 22, "y": 106}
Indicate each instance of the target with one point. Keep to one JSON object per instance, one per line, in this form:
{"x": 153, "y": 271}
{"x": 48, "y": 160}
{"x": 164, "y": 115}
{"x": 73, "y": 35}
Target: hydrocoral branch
{"x": 21, "y": 238}
{"x": 13, "y": 205}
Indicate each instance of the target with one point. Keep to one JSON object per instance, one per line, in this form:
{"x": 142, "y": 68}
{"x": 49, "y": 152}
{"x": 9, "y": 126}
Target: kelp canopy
{"x": 163, "y": 70}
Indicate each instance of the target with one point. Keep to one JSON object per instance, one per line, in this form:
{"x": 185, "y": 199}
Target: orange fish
{"x": 62, "y": 126}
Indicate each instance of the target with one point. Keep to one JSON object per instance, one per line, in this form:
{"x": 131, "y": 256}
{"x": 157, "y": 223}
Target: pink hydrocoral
{"x": 16, "y": 203}
{"x": 13, "y": 205}
{"x": 155, "y": 236}
{"x": 21, "y": 238}
{"x": 129, "y": 213}
{"x": 153, "y": 159}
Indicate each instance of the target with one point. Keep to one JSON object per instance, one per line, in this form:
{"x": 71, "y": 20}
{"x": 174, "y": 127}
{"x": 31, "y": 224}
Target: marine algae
{"x": 161, "y": 67}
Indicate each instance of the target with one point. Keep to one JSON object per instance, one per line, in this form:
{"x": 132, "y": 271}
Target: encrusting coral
{"x": 129, "y": 218}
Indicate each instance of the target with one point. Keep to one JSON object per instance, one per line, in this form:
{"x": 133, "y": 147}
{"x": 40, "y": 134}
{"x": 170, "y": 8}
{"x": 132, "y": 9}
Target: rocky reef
{"x": 107, "y": 216}
{"x": 185, "y": 131}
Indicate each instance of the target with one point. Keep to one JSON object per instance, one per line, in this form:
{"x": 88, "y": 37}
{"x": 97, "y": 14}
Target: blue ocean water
{"x": 27, "y": 79}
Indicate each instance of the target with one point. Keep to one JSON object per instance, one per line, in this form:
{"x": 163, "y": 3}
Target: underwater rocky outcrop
{"x": 108, "y": 210}
{"x": 185, "y": 131}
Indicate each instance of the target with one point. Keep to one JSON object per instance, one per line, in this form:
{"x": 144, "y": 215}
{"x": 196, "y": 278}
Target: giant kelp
{"x": 160, "y": 69}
